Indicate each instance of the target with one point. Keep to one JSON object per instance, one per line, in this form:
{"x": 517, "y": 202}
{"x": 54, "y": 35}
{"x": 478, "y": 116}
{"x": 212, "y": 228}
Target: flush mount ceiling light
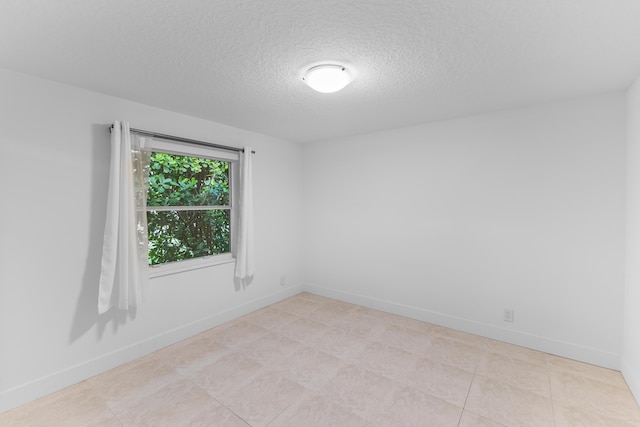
{"x": 327, "y": 78}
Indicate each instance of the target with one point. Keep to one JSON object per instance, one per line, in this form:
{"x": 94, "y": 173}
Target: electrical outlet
{"x": 283, "y": 281}
{"x": 508, "y": 315}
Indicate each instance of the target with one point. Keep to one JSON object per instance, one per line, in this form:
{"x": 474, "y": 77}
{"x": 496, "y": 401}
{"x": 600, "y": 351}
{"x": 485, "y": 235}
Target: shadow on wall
{"x": 86, "y": 313}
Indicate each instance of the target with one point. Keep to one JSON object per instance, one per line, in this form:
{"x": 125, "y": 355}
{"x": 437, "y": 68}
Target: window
{"x": 190, "y": 209}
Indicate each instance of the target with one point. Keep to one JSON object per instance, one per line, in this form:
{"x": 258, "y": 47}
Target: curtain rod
{"x": 185, "y": 140}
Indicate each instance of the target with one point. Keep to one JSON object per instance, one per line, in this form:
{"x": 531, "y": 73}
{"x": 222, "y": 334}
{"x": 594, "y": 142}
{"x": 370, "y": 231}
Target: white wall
{"x": 631, "y": 350}
{"x": 54, "y": 148}
{"x": 452, "y": 222}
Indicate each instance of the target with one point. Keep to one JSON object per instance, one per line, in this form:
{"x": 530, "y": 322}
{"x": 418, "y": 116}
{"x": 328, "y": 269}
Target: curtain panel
{"x": 244, "y": 249}
{"x": 123, "y": 276}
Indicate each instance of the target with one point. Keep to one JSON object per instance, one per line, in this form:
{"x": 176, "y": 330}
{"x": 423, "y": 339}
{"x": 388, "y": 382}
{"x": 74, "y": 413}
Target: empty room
{"x": 320, "y": 213}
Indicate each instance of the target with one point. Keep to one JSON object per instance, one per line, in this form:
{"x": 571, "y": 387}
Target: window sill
{"x": 188, "y": 265}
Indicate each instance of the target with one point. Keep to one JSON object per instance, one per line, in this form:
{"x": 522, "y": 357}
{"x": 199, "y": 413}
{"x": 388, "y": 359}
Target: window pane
{"x": 176, "y": 180}
{"x": 180, "y": 235}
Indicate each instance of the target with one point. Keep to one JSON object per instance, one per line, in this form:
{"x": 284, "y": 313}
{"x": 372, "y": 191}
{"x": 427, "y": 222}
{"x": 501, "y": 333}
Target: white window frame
{"x": 183, "y": 149}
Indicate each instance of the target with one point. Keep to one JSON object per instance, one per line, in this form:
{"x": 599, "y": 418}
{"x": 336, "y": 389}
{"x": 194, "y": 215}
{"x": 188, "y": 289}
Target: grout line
{"x": 105, "y": 402}
{"x": 466, "y": 398}
{"x": 225, "y": 406}
{"x": 113, "y": 414}
{"x": 553, "y": 404}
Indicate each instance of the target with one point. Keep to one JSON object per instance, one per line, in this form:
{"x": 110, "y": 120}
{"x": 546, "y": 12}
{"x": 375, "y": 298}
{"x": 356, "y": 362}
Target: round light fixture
{"x": 327, "y": 78}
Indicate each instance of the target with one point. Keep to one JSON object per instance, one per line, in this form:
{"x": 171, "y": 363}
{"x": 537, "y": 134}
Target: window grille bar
{"x": 188, "y": 208}
{"x": 185, "y": 140}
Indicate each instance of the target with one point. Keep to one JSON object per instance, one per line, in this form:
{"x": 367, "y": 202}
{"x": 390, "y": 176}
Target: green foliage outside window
{"x": 186, "y": 184}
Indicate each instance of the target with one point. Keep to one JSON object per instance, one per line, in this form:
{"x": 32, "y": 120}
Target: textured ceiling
{"x": 239, "y": 62}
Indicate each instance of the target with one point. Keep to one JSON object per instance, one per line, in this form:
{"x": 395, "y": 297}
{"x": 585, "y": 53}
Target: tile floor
{"x": 313, "y": 361}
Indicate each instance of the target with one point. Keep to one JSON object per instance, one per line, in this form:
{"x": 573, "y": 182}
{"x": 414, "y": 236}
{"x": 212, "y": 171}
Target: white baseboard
{"x": 24, "y": 393}
{"x": 523, "y": 339}
{"x": 633, "y": 381}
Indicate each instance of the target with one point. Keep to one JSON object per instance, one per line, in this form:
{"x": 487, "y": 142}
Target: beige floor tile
{"x": 303, "y": 330}
{"x": 508, "y": 405}
{"x": 590, "y": 396}
{"x": 408, "y": 407}
{"x": 188, "y": 371}
{"x": 516, "y": 352}
{"x": 358, "y": 390}
{"x": 142, "y": 376}
{"x": 460, "y": 336}
{"x": 382, "y": 315}
{"x": 270, "y": 348}
{"x": 566, "y": 416}
{"x": 191, "y": 353}
{"x": 560, "y": 364}
{"x": 314, "y": 298}
{"x": 231, "y": 370}
{"x": 469, "y": 419}
{"x": 390, "y": 362}
{"x": 363, "y": 325}
{"x": 515, "y": 372}
{"x": 310, "y": 368}
{"x": 442, "y": 381}
{"x": 416, "y": 325}
{"x": 270, "y": 318}
{"x": 238, "y": 333}
{"x": 341, "y": 344}
{"x": 340, "y": 305}
{"x": 329, "y": 314}
{"x": 77, "y": 405}
{"x": 299, "y": 306}
{"x": 452, "y": 352}
{"x": 264, "y": 398}
{"x": 316, "y": 411}
{"x": 406, "y": 339}
{"x": 180, "y": 403}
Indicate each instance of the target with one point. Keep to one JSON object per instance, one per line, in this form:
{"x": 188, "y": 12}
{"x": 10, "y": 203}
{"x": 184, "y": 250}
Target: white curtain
{"x": 244, "y": 247}
{"x": 124, "y": 256}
